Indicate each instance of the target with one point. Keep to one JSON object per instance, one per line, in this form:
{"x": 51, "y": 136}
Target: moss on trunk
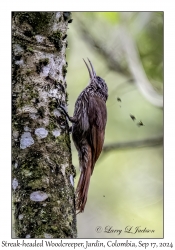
{"x": 42, "y": 170}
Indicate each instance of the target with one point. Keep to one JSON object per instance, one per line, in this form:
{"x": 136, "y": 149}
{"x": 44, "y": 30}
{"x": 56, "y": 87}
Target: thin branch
{"x": 137, "y": 69}
{"x": 133, "y": 144}
{"x": 111, "y": 60}
{"x": 134, "y": 63}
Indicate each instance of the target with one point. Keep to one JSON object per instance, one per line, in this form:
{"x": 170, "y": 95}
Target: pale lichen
{"x": 28, "y": 236}
{"x": 56, "y": 112}
{"x": 19, "y": 62}
{"x": 33, "y": 116}
{"x": 54, "y": 93}
{"x": 63, "y": 168}
{"x": 27, "y": 129}
{"x": 14, "y": 183}
{"x": 41, "y": 132}
{"x": 39, "y": 38}
{"x": 72, "y": 180}
{"x": 27, "y": 109}
{"x": 15, "y": 134}
{"x": 56, "y": 132}
{"x": 26, "y": 140}
{"x": 48, "y": 236}
{"x": 17, "y": 49}
{"x": 38, "y": 196}
{"x": 20, "y": 217}
{"x": 16, "y": 164}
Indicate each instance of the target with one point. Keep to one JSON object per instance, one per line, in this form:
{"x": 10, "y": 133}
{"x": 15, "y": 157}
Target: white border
{"x": 5, "y": 95}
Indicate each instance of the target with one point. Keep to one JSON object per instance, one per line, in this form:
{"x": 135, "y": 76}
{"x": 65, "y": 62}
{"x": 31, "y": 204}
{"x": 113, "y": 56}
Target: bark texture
{"x": 42, "y": 170}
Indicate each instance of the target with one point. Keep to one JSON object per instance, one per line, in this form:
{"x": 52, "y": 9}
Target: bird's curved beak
{"x": 92, "y": 73}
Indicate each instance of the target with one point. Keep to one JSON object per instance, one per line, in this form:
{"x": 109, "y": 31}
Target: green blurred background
{"x": 126, "y": 187}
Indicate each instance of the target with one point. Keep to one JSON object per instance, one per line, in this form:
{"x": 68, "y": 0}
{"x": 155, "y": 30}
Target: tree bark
{"x": 42, "y": 170}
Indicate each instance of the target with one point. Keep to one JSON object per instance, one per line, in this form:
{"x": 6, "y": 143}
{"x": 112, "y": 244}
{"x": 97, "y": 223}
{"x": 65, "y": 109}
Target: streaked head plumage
{"x": 98, "y": 82}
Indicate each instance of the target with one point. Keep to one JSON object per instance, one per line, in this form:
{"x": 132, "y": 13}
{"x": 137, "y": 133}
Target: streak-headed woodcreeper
{"x": 88, "y": 130}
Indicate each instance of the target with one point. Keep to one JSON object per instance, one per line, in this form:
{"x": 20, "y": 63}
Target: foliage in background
{"x": 126, "y": 188}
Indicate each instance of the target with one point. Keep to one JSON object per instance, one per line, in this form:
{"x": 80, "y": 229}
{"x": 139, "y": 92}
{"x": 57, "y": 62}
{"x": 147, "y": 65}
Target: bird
{"x": 88, "y": 130}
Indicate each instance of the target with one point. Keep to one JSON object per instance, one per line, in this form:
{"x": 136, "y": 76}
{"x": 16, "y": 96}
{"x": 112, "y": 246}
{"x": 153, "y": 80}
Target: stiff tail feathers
{"x": 83, "y": 184}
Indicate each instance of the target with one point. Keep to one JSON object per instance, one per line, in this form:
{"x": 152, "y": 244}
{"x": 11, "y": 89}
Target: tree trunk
{"x": 42, "y": 170}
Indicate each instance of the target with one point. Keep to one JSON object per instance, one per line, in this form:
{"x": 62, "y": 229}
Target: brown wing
{"x": 97, "y": 121}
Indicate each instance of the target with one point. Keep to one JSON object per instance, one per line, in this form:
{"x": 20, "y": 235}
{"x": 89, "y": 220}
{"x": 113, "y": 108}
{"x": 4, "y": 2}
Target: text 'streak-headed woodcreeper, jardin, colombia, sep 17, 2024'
{"x": 88, "y": 130}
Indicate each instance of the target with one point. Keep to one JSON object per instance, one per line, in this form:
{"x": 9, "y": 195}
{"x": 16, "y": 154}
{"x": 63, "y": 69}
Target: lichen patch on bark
{"x": 43, "y": 195}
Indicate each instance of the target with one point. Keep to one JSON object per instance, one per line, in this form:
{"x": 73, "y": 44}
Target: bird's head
{"x": 96, "y": 81}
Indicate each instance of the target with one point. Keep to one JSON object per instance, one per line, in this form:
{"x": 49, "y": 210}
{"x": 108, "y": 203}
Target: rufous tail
{"x": 83, "y": 185}
{"x": 82, "y": 189}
